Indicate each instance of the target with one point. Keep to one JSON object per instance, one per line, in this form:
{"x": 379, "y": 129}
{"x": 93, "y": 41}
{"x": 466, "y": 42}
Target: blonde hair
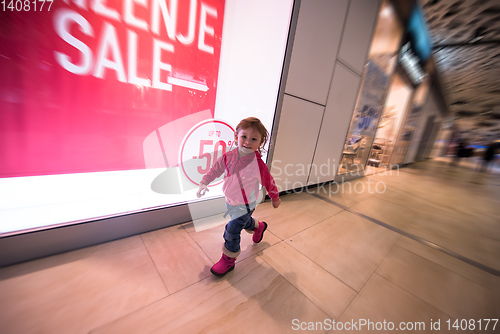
{"x": 256, "y": 124}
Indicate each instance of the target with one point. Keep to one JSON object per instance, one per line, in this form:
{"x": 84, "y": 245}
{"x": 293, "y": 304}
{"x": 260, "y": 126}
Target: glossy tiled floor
{"x": 318, "y": 262}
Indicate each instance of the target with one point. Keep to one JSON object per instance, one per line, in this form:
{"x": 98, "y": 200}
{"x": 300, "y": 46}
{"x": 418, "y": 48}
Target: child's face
{"x": 248, "y": 138}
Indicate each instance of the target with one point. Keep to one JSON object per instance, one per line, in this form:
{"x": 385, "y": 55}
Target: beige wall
{"x": 330, "y": 48}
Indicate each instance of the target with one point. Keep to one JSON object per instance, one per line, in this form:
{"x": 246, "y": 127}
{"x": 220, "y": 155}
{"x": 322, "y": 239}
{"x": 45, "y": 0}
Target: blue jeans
{"x": 241, "y": 218}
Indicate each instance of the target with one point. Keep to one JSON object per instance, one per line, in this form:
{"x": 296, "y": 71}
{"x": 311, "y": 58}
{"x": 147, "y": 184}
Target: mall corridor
{"x": 417, "y": 248}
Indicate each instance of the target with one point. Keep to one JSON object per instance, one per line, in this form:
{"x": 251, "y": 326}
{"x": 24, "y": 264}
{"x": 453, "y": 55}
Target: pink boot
{"x": 258, "y": 233}
{"x": 225, "y": 265}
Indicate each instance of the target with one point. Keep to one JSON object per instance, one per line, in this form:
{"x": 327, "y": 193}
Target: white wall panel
{"x": 295, "y": 142}
{"x": 358, "y": 33}
{"x": 336, "y": 120}
{"x": 316, "y": 43}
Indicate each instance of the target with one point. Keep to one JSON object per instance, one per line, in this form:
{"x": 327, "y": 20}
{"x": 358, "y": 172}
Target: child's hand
{"x": 202, "y": 190}
{"x": 276, "y": 203}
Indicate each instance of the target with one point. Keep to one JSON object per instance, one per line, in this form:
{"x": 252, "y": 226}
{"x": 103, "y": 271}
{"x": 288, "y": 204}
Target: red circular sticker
{"x": 206, "y": 142}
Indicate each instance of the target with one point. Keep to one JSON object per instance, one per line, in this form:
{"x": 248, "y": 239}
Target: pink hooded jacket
{"x": 242, "y": 177}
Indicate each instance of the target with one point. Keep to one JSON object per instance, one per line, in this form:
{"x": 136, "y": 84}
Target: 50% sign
{"x": 202, "y": 146}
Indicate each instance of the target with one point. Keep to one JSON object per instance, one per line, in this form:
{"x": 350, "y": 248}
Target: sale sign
{"x": 202, "y": 145}
{"x": 201, "y": 148}
{"x": 84, "y": 82}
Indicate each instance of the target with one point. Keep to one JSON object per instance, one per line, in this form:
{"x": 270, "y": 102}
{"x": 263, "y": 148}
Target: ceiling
{"x": 466, "y": 48}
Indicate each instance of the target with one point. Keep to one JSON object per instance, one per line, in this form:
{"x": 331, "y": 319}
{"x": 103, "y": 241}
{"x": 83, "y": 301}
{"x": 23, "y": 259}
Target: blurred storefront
{"x": 397, "y": 79}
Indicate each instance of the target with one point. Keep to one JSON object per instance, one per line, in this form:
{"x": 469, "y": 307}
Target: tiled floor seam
{"x": 396, "y": 204}
{"x": 375, "y": 270}
{"x": 420, "y": 240}
{"x": 154, "y": 264}
{"x": 125, "y": 315}
{"x": 296, "y": 288}
{"x": 315, "y": 264}
{"x": 424, "y": 301}
{"x": 453, "y": 271}
{"x": 197, "y": 244}
{"x": 322, "y": 220}
{"x": 350, "y": 287}
{"x": 373, "y": 273}
{"x": 156, "y": 301}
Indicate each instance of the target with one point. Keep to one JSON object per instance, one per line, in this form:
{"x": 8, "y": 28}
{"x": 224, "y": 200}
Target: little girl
{"x": 244, "y": 170}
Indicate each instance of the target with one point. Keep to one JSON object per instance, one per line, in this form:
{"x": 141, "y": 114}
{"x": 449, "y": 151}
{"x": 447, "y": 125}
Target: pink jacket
{"x": 242, "y": 177}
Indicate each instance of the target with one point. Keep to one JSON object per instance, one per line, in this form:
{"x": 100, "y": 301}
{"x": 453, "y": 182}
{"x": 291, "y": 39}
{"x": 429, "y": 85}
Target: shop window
{"x": 377, "y": 75}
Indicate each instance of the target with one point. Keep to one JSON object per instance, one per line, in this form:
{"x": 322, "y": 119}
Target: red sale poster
{"x": 87, "y": 84}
